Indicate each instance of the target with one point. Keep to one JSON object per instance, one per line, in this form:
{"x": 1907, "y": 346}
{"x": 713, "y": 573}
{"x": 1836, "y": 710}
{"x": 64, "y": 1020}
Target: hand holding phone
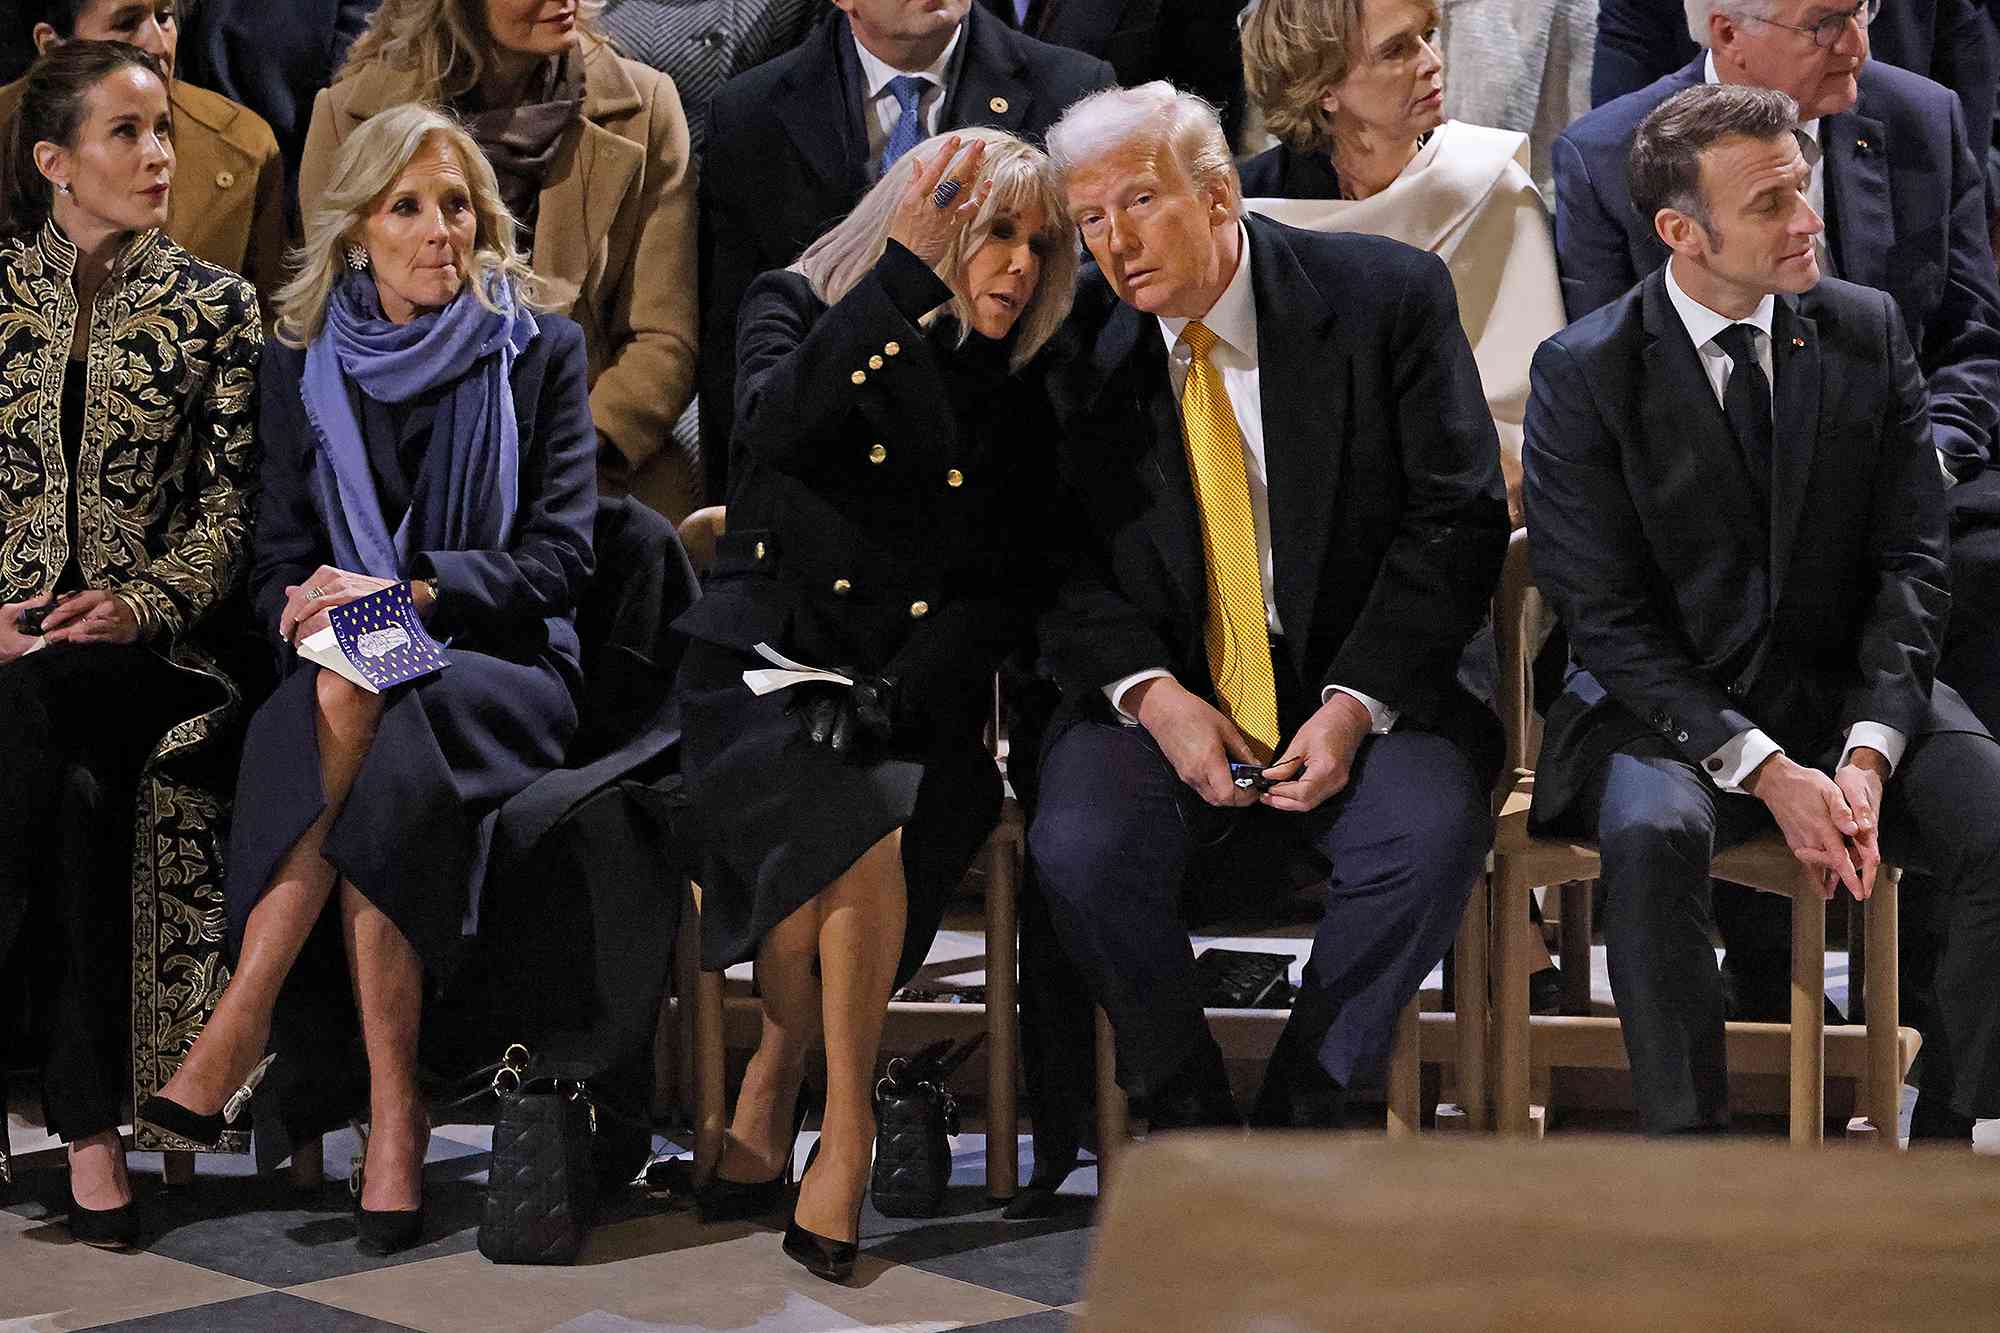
{"x": 1250, "y": 777}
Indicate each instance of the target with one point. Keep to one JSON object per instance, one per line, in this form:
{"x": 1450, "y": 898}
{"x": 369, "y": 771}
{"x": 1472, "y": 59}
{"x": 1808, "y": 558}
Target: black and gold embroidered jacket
{"x": 167, "y": 465}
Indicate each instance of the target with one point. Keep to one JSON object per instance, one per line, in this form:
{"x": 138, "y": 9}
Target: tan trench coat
{"x": 615, "y": 239}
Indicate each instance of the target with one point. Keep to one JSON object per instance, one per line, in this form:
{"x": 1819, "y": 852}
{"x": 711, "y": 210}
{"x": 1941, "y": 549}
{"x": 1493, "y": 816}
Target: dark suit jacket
{"x": 240, "y": 49}
{"x": 1946, "y": 40}
{"x": 1192, "y": 44}
{"x": 1387, "y": 518}
{"x": 884, "y": 515}
{"x": 1691, "y": 612}
{"x": 1282, "y": 172}
{"x": 1906, "y": 213}
{"x": 788, "y": 157}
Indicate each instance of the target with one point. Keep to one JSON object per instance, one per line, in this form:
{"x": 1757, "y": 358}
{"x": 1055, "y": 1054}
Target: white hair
{"x": 1699, "y": 10}
{"x": 1157, "y": 115}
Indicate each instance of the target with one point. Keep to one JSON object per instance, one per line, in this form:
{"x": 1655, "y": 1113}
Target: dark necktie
{"x": 1747, "y": 405}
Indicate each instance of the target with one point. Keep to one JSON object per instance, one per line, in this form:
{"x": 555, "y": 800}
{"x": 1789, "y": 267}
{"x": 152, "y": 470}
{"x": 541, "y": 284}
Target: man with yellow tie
{"x": 1289, "y": 520}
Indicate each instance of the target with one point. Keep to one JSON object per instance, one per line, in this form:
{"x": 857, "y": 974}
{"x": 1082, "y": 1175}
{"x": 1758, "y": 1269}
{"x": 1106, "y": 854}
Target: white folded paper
{"x": 323, "y": 649}
{"x": 786, "y": 673}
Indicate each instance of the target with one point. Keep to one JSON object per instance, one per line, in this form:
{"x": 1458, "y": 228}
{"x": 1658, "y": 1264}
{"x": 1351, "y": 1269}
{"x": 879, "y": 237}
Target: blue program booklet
{"x": 376, "y": 641}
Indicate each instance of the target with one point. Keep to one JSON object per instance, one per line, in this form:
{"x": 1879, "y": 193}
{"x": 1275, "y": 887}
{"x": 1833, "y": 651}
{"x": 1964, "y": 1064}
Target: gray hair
{"x": 1699, "y": 10}
{"x": 1157, "y": 115}
{"x": 1663, "y": 169}
{"x": 369, "y": 163}
{"x": 1022, "y": 178}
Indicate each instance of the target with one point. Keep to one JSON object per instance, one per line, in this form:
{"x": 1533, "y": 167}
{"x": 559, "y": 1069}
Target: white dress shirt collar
{"x": 876, "y": 72}
{"x": 1703, "y": 324}
{"x": 1233, "y": 317}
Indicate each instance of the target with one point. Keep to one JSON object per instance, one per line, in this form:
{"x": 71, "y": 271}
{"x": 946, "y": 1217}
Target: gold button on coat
{"x": 893, "y": 348}
{"x": 954, "y": 478}
{"x": 998, "y": 105}
{"x": 760, "y": 550}
{"x": 224, "y": 179}
{"x": 840, "y": 587}
{"x": 858, "y": 377}
{"x": 918, "y": 610}
{"x": 874, "y": 363}
{"x": 878, "y": 454}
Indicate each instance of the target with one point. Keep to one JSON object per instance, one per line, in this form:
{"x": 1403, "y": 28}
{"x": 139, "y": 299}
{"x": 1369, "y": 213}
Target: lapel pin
{"x": 998, "y": 106}
{"x": 1863, "y": 145}
{"x": 1798, "y": 342}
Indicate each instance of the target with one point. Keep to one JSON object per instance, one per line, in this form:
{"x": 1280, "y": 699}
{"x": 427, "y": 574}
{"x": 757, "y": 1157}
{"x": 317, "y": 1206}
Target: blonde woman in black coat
{"x": 897, "y": 443}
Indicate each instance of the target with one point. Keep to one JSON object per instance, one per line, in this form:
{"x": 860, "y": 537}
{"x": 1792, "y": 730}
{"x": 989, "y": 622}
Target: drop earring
{"x": 357, "y": 258}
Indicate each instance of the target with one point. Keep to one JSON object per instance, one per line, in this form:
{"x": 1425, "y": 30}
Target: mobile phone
{"x": 29, "y": 620}
{"x": 1251, "y": 777}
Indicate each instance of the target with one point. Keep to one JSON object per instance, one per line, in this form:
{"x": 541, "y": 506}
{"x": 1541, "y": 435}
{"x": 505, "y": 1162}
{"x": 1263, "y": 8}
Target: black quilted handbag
{"x": 541, "y": 1187}
{"x": 914, "y": 1118}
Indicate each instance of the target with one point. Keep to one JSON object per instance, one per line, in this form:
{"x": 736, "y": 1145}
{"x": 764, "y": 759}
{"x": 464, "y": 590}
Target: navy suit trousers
{"x": 1129, "y": 855}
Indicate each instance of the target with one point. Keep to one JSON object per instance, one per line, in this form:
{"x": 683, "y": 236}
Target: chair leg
{"x": 1510, "y": 1020}
{"x": 1470, "y": 1005}
{"x": 1857, "y": 961}
{"x": 1113, "y": 1123}
{"x": 1576, "y": 932}
{"x": 1003, "y": 1148}
{"x": 709, "y": 1071}
{"x": 1808, "y": 1094}
{"x": 1885, "y": 1069}
{"x": 177, "y": 1169}
{"x": 1406, "y": 1076}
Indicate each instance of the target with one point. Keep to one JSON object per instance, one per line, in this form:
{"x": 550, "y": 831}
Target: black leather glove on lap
{"x": 848, "y": 718}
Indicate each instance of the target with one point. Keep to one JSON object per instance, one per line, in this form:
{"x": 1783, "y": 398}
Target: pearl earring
{"x": 357, "y": 258}
{"x": 64, "y": 187}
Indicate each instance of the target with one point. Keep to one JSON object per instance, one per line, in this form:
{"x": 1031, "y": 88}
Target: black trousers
{"x": 1119, "y": 841}
{"x": 1659, "y": 822}
{"x": 76, "y": 726}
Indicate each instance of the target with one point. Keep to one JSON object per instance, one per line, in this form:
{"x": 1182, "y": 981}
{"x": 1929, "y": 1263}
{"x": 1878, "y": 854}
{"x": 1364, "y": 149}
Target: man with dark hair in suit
{"x": 1946, "y": 40}
{"x": 1192, "y": 44}
{"x": 794, "y": 143}
{"x": 1737, "y": 511}
{"x": 1289, "y": 522}
{"x": 1894, "y": 175}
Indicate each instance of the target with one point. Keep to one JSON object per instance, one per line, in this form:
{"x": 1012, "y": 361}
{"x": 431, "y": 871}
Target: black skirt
{"x": 775, "y": 818}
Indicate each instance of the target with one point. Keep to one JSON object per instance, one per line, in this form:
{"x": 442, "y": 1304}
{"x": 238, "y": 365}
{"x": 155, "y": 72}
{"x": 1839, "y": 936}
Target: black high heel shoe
{"x": 387, "y": 1231}
{"x": 723, "y": 1200}
{"x": 824, "y": 1257}
{"x": 104, "y": 1228}
{"x": 182, "y": 1130}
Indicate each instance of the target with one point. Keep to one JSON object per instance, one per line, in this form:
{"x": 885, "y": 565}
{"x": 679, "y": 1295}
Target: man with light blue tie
{"x": 794, "y": 143}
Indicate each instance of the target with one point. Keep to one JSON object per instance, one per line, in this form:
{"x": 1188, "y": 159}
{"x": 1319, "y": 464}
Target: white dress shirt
{"x": 880, "y": 106}
{"x": 1733, "y": 764}
{"x": 1233, "y": 321}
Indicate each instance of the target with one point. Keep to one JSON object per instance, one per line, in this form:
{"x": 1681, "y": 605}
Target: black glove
{"x": 848, "y": 717}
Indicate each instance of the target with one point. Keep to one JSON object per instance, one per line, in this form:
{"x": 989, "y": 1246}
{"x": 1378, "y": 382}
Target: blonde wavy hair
{"x": 1022, "y": 176}
{"x": 446, "y": 42}
{"x": 369, "y": 163}
{"x": 1293, "y": 51}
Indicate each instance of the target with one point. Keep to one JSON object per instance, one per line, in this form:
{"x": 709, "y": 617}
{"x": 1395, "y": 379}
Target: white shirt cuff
{"x": 1115, "y": 691}
{"x": 1381, "y": 717}
{"x": 1876, "y": 736}
{"x": 1731, "y": 766}
{"x": 1949, "y": 480}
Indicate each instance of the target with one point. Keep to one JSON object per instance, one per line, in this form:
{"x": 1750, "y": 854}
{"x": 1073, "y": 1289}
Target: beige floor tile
{"x": 663, "y": 1273}
{"x": 50, "y": 1282}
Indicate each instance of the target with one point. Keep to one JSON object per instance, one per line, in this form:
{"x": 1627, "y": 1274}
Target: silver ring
{"x": 314, "y": 594}
{"x": 946, "y": 191}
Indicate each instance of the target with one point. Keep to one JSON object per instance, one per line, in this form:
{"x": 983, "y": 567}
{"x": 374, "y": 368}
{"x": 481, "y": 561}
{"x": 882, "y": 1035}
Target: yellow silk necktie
{"x": 1239, "y": 642}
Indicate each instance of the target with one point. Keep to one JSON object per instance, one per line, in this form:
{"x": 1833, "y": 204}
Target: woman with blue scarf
{"x": 420, "y": 424}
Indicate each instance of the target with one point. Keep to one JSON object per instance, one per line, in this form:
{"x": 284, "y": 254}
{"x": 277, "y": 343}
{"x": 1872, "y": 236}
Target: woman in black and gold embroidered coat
{"x": 127, "y": 378}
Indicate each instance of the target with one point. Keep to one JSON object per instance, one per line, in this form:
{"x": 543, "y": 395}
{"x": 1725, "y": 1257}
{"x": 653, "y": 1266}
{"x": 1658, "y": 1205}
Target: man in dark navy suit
{"x": 1950, "y": 41}
{"x": 1898, "y": 181}
{"x": 1738, "y": 514}
{"x": 1289, "y": 522}
{"x": 794, "y": 143}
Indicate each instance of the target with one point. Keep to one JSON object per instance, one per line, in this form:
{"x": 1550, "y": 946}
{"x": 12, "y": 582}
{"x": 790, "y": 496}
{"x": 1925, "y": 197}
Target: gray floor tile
{"x": 1041, "y": 1260}
{"x": 1042, "y": 1321}
{"x": 261, "y": 1314}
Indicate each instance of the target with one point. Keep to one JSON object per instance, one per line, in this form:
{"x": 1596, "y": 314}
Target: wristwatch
{"x": 434, "y": 588}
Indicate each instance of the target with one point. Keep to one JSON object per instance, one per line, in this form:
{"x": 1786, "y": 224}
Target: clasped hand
{"x": 846, "y": 718}
{"x": 1200, "y": 743}
{"x": 96, "y": 615}
{"x": 1830, "y": 823}
{"x": 306, "y": 604}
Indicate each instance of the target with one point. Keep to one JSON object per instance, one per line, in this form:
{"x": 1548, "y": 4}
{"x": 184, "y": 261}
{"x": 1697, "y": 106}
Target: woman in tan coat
{"x": 592, "y": 154}
{"x": 228, "y": 204}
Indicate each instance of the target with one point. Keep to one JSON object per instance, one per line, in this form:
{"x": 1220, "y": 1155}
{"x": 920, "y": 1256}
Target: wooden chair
{"x": 1521, "y": 862}
{"x": 702, "y": 1035}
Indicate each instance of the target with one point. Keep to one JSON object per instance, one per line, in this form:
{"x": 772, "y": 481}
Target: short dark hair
{"x": 54, "y": 98}
{"x": 58, "y": 14}
{"x": 1663, "y": 169}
